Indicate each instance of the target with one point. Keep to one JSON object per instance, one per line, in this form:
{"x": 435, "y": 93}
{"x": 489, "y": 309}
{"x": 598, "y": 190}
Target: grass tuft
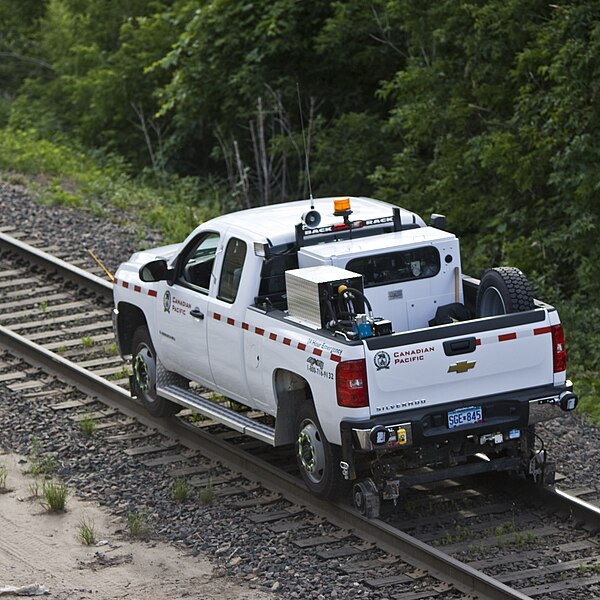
{"x": 86, "y": 533}
{"x": 55, "y": 496}
{"x": 87, "y": 341}
{"x": 207, "y": 494}
{"x": 40, "y": 463}
{"x": 137, "y": 525}
{"x": 3, "y": 476}
{"x": 87, "y": 425}
{"x": 180, "y": 490}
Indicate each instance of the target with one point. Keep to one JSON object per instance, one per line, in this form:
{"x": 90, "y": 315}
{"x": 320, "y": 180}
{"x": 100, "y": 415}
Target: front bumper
{"x": 502, "y": 414}
{"x": 115, "y": 324}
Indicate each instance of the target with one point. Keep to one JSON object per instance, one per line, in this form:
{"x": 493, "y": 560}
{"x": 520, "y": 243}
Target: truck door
{"x": 182, "y": 317}
{"x": 226, "y": 327}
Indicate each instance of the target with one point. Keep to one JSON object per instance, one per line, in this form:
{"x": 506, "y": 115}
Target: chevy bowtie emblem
{"x": 461, "y": 366}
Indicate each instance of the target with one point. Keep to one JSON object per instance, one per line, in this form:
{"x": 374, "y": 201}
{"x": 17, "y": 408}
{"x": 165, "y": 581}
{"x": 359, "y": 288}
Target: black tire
{"x": 318, "y": 460}
{"x": 144, "y": 375}
{"x": 503, "y": 290}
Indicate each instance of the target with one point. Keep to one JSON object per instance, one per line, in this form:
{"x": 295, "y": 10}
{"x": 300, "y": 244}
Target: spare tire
{"x": 503, "y": 290}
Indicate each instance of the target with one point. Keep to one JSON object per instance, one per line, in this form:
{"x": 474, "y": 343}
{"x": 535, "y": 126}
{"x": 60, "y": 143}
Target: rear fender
{"x": 291, "y": 390}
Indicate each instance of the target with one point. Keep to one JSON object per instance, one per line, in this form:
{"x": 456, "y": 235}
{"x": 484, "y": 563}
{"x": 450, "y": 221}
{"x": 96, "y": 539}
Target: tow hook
{"x": 345, "y": 467}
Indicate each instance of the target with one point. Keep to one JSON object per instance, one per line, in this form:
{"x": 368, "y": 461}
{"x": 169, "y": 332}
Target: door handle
{"x": 457, "y": 347}
{"x": 197, "y": 313}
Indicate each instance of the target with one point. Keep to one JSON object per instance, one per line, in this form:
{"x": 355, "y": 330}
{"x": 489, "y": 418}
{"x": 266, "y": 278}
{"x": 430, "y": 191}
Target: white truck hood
{"x": 145, "y": 256}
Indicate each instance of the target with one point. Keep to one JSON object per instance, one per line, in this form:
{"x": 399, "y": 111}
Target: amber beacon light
{"x": 341, "y": 207}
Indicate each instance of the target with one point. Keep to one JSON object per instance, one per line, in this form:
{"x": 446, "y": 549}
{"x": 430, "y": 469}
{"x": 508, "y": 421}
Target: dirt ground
{"x": 37, "y": 547}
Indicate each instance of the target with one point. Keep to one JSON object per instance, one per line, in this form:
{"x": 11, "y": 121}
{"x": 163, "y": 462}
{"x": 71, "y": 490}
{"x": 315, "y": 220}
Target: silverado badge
{"x": 462, "y": 366}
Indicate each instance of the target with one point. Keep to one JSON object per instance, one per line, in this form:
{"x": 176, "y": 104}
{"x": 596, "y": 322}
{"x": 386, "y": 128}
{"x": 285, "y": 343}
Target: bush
{"x": 64, "y": 174}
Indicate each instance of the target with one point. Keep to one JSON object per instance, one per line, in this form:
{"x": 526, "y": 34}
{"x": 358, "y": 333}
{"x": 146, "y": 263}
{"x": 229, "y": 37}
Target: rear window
{"x": 394, "y": 267}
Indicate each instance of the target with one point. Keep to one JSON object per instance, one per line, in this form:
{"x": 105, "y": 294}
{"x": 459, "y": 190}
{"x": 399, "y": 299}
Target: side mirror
{"x": 155, "y": 270}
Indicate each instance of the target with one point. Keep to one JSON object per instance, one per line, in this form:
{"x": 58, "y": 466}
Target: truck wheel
{"x": 318, "y": 460}
{"x": 503, "y": 290}
{"x": 144, "y": 375}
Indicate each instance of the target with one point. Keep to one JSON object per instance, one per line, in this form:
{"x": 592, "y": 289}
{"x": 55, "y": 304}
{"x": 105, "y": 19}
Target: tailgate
{"x": 459, "y": 361}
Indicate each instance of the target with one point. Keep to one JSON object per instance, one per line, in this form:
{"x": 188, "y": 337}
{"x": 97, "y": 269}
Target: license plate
{"x": 465, "y": 416}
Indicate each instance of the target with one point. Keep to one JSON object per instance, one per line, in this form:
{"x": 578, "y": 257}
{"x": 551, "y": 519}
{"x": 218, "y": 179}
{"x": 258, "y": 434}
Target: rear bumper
{"x": 502, "y": 414}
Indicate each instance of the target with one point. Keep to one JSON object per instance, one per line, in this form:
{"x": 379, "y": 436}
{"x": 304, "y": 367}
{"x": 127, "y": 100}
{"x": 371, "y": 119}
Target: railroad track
{"x": 445, "y": 540}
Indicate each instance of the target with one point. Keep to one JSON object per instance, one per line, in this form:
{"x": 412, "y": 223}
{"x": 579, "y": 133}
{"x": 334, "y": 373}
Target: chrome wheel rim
{"x": 311, "y": 452}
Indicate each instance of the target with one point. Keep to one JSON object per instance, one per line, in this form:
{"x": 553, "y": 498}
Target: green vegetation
{"x": 207, "y": 494}
{"x": 3, "y": 476}
{"x": 87, "y": 424}
{"x": 485, "y": 111}
{"x": 87, "y": 341}
{"x": 123, "y": 373}
{"x": 137, "y": 525}
{"x": 181, "y": 490}
{"x": 40, "y": 462}
{"x": 34, "y": 489}
{"x": 86, "y": 532}
{"x": 55, "y": 496}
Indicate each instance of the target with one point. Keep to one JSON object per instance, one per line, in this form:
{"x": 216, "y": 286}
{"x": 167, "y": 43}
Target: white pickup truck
{"x": 346, "y": 323}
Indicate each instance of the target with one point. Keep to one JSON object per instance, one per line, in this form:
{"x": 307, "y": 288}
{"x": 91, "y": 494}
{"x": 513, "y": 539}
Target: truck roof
{"x": 276, "y": 222}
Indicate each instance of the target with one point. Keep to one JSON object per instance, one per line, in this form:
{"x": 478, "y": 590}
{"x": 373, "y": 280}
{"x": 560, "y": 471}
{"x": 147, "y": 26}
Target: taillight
{"x": 351, "y": 384}
{"x": 559, "y": 351}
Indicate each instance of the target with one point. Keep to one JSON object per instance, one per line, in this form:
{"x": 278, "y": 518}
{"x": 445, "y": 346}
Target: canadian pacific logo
{"x": 462, "y": 366}
{"x": 382, "y": 360}
{"x": 167, "y": 301}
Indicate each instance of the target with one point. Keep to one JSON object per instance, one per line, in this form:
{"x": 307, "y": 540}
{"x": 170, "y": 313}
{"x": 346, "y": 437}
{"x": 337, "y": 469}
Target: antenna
{"x": 312, "y": 204}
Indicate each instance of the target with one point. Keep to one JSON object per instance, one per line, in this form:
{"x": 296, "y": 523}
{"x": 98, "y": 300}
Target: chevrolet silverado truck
{"x": 347, "y": 326}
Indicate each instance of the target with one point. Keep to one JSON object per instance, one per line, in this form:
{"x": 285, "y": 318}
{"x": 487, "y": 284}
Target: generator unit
{"x": 312, "y": 293}
{"x": 332, "y": 298}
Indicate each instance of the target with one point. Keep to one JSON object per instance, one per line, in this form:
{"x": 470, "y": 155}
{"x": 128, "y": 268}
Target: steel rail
{"x": 48, "y": 262}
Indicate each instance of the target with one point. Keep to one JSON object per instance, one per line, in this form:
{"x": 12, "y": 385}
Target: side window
{"x": 198, "y": 264}
{"x": 231, "y": 273}
{"x": 394, "y": 267}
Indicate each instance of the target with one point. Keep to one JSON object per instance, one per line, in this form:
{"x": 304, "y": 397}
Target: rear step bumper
{"x": 429, "y": 424}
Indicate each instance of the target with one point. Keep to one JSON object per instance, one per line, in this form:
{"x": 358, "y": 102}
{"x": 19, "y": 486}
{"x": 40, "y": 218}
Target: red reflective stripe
{"x": 230, "y": 321}
{"x": 507, "y": 336}
{"x": 478, "y": 342}
{"x": 301, "y": 346}
{"x": 336, "y": 358}
{"x": 542, "y": 330}
{"x": 287, "y": 341}
{"x": 317, "y": 351}
{"x": 217, "y": 316}
{"x": 245, "y": 326}
{"x": 259, "y": 331}
{"x": 137, "y": 288}
{"x": 152, "y": 293}
{"x": 125, "y": 284}
{"x": 273, "y": 337}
